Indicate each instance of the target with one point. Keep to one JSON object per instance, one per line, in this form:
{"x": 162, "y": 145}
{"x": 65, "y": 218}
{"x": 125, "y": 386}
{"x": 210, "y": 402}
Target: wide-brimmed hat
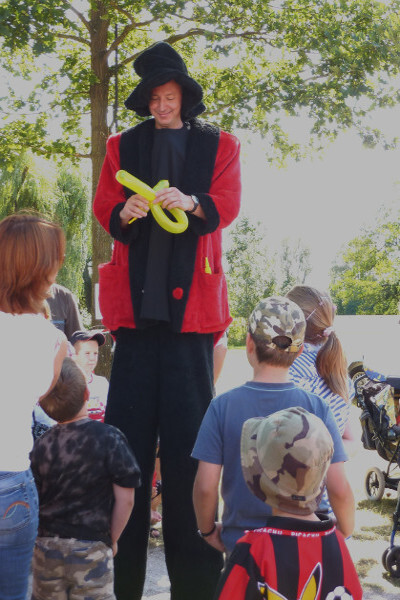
{"x": 285, "y": 458}
{"x": 157, "y": 65}
{"x": 278, "y": 317}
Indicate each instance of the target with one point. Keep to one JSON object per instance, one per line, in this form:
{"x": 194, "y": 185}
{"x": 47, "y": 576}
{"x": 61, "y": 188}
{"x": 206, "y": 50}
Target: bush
{"x": 237, "y": 332}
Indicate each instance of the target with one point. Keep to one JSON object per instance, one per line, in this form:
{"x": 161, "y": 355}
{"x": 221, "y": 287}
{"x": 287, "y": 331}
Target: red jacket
{"x": 198, "y": 300}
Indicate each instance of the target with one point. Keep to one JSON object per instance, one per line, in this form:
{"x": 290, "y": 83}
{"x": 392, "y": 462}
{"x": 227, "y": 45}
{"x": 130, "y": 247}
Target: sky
{"x": 326, "y": 200}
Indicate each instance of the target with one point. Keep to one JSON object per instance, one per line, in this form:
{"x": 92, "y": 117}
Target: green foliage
{"x": 248, "y": 268}
{"x": 254, "y": 272}
{"x": 25, "y": 186}
{"x": 256, "y": 60}
{"x": 72, "y": 211}
{"x": 237, "y": 332}
{"x": 60, "y": 195}
{"x": 366, "y": 278}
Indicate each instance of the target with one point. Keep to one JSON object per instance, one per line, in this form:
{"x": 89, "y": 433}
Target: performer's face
{"x": 165, "y": 105}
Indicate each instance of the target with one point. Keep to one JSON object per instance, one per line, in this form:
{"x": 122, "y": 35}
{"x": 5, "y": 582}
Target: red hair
{"x": 31, "y": 250}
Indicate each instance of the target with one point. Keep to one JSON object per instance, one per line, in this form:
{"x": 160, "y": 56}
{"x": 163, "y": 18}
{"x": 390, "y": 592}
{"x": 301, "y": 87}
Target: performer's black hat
{"x": 157, "y": 65}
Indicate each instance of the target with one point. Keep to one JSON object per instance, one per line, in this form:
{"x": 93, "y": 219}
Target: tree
{"x": 250, "y": 274}
{"x": 72, "y": 211}
{"x": 60, "y": 195}
{"x": 254, "y": 271}
{"x": 24, "y": 186}
{"x": 294, "y": 264}
{"x": 330, "y": 61}
{"x": 366, "y": 277}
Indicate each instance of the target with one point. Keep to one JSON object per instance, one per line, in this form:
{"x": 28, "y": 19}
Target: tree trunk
{"x": 101, "y": 241}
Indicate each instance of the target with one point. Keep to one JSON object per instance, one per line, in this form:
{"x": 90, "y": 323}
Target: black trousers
{"x": 161, "y": 384}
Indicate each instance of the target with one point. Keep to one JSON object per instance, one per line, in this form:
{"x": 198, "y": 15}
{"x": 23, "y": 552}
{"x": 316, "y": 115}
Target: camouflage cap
{"x": 285, "y": 458}
{"x": 278, "y": 316}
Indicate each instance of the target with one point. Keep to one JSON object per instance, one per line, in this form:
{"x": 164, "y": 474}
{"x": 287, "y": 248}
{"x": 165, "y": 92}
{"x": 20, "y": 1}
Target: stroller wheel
{"x": 384, "y": 557}
{"x": 393, "y": 561}
{"x": 374, "y": 484}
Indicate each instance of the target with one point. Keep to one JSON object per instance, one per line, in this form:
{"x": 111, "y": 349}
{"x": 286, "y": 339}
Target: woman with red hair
{"x": 32, "y": 350}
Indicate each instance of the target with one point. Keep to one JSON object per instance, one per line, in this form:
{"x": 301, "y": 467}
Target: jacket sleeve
{"x": 222, "y": 204}
{"x": 110, "y": 197}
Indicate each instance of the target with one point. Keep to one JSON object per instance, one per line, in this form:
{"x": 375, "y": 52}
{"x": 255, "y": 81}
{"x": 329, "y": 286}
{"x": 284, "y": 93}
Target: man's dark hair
{"x": 67, "y": 397}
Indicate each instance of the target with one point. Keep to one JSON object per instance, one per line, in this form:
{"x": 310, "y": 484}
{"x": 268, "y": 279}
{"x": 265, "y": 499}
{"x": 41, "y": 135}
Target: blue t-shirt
{"x": 218, "y": 442}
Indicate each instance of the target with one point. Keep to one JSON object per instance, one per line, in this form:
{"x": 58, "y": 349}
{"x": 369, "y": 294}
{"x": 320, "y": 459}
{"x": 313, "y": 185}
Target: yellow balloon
{"x": 139, "y": 187}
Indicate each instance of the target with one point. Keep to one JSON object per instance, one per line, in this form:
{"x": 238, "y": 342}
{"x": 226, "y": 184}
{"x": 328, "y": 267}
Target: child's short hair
{"x": 285, "y": 458}
{"x": 67, "y": 397}
{"x": 277, "y": 326}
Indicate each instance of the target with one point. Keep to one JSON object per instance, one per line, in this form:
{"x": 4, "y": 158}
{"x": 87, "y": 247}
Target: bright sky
{"x": 323, "y": 201}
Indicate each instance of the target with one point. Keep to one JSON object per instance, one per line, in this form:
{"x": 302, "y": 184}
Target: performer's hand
{"x": 173, "y": 198}
{"x": 215, "y": 538}
{"x": 135, "y": 207}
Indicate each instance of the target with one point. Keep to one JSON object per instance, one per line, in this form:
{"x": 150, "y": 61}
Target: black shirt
{"x": 167, "y": 163}
{"x": 75, "y": 466}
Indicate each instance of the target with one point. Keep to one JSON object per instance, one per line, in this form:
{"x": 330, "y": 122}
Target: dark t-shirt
{"x": 75, "y": 466}
{"x": 167, "y": 163}
{"x": 64, "y": 310}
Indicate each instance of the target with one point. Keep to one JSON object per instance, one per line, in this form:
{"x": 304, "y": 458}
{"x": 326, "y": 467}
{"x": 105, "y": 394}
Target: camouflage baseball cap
{"x": 275, "y": 317}
{"x": 285, "y": 458}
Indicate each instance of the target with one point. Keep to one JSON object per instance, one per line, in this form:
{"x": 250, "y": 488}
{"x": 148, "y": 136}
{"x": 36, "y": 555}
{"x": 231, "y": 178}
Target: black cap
{"x": 84, "y": 336}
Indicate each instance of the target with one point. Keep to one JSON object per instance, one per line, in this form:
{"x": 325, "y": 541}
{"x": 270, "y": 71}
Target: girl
{"x": 322, "y": 367}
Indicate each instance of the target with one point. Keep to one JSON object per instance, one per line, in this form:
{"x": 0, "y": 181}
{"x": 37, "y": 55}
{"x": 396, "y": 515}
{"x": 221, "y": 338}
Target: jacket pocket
{"x": 207, "y": 307}
{"x": 15, "y": 509}
{"x": 115, "y": 296}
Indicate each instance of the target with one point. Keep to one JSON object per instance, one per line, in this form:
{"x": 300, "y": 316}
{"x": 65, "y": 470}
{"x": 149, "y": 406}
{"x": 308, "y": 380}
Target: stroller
{"x": 378, "y": 398}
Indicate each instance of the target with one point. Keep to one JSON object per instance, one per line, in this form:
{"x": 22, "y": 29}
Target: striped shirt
{"x": 290, "y": 558}
{"x": 304, "y": 373}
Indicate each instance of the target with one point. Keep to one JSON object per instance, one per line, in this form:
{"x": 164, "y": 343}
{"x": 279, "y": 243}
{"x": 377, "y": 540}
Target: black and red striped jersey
{"x": 290, "y": 559}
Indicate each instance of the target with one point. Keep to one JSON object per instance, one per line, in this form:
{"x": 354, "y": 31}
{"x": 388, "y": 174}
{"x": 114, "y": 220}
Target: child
{"x": 86, "y": 345}
{"x": 274, "y": 340}
{"x": 85, "y": 474}
{"x": 285, "y": 458}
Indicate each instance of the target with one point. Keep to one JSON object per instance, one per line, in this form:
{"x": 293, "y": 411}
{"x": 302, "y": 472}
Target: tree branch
{"x": 170, "y": 40}
{"x": 129, "y": 15}
{"x": 80, "y": 16}
{"x": 74, "y": 38}
{"x": 118, "y": 40}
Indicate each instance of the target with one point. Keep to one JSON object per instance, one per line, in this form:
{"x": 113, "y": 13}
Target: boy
{"x": 85, "y": 474}
{"x": 285, "y": 458}
{"x": 86, "y": 345}
{"x": 274, "y": 340}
